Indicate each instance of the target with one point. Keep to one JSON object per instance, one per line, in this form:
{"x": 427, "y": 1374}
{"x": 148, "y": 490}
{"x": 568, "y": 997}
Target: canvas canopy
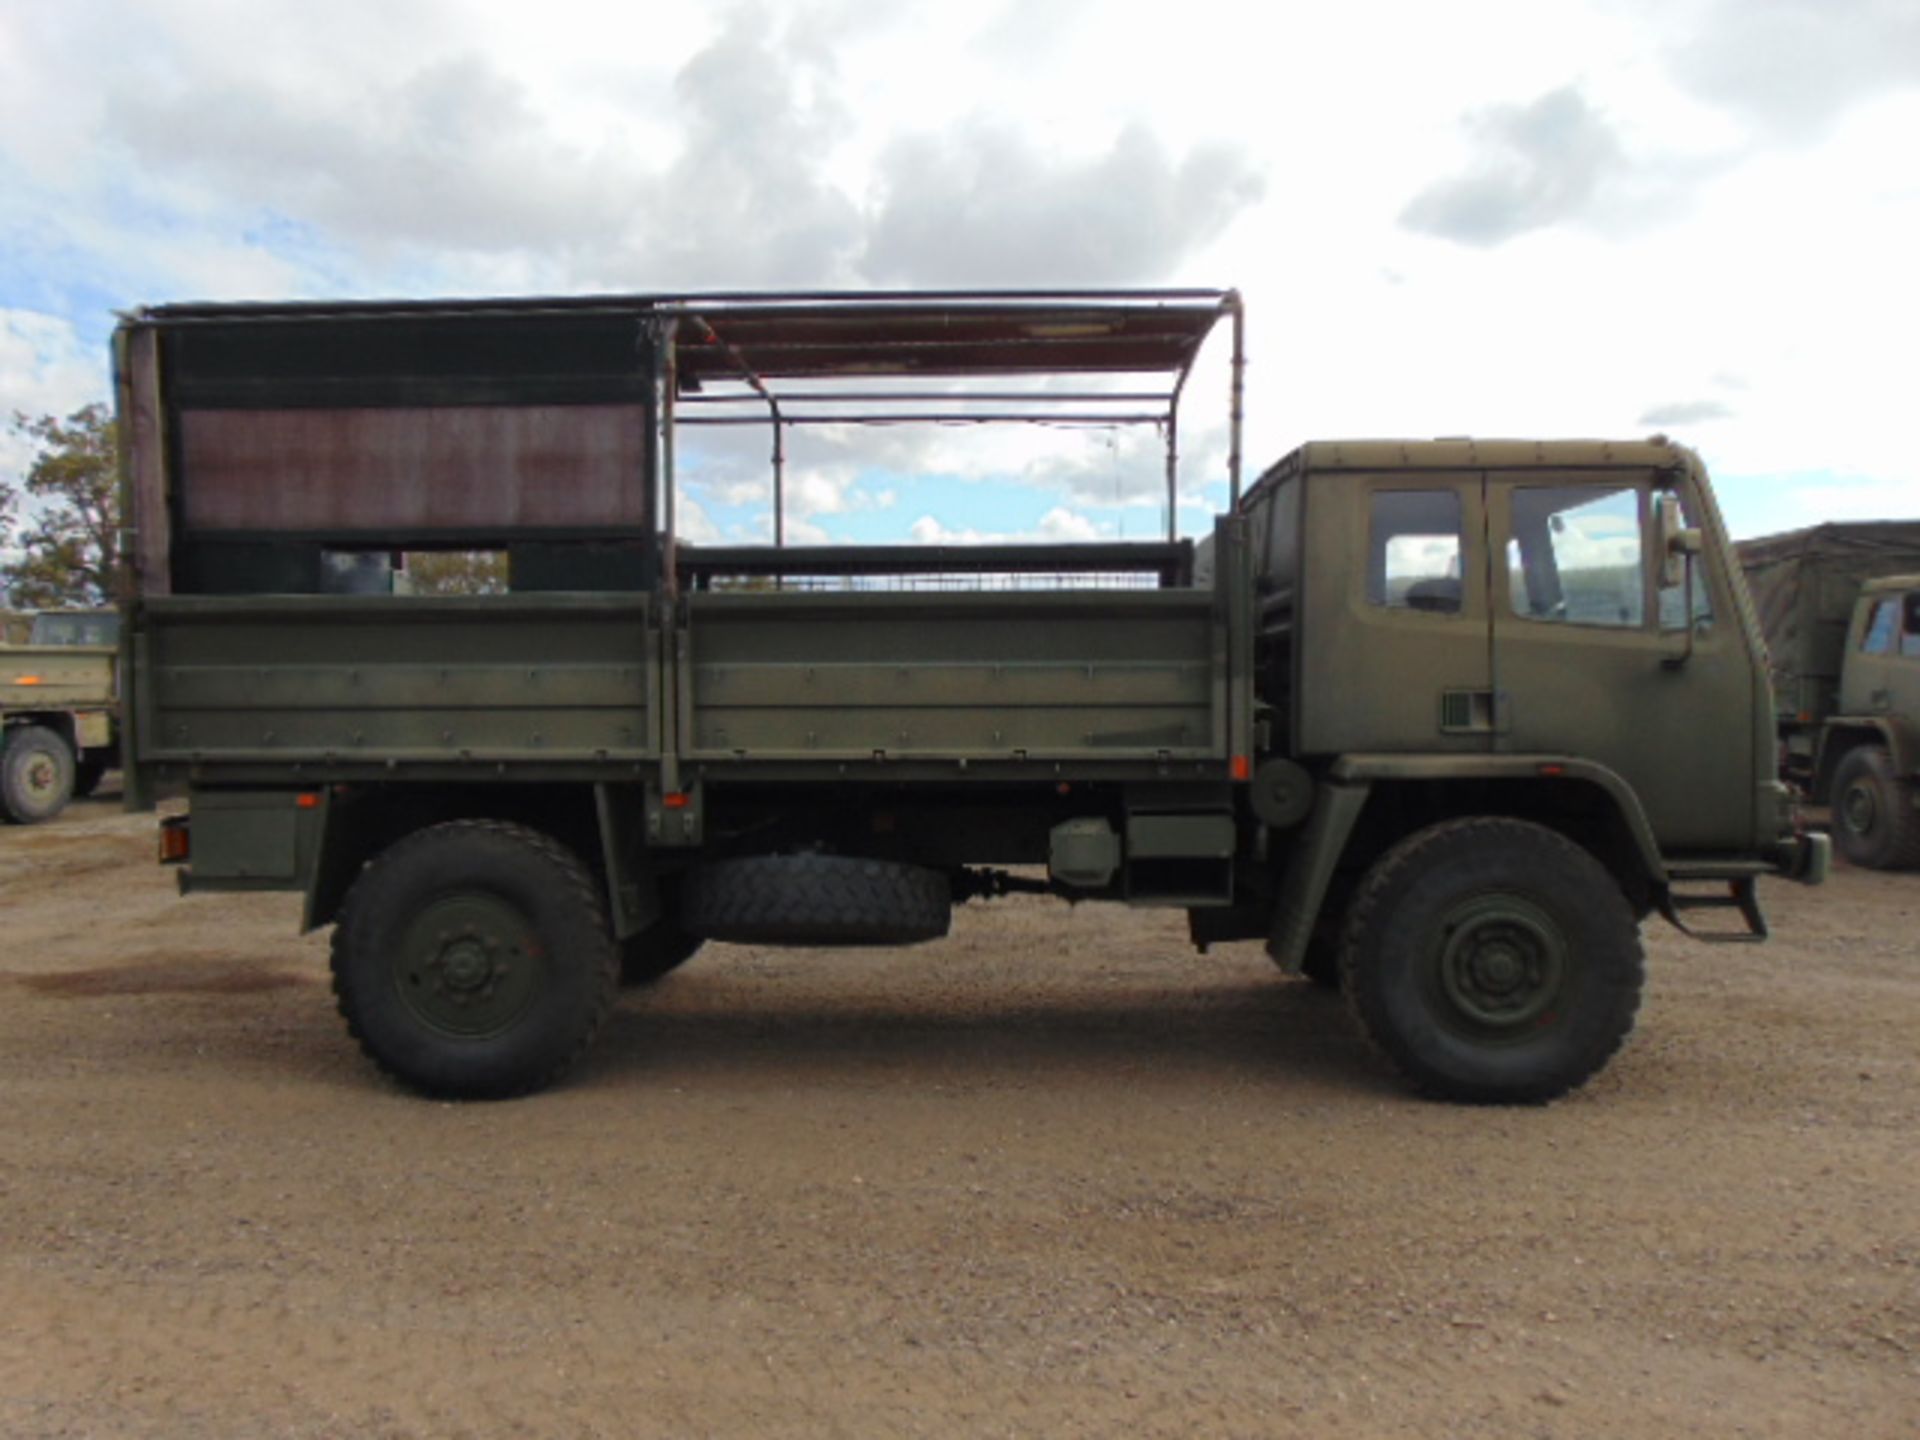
{"x": 1804, "y": 583}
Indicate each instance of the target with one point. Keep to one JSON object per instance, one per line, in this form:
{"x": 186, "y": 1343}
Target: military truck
{"x": 1840, "y": 607}
{"x": 60, "y": 712}
{"x": 1440, "y": 722}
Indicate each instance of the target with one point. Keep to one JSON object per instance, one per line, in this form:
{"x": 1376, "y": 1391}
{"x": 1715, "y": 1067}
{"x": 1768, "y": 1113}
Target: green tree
{"x": 70, "y": 540}
{"x": 9, "y": 497}
{"x": 457, "y": 572}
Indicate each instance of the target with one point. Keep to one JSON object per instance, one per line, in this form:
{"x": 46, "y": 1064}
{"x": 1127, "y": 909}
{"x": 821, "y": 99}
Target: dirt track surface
{"x": 1055, "y": 1176}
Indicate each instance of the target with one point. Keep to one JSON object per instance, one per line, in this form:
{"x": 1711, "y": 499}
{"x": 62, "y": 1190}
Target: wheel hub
{"x": 1502, "y": 964}
{"x": 466, "y": 966}
{"x": 1498, "y": 969}
{"x": 1860, "y": 809}
{"x": 41, "y": 775}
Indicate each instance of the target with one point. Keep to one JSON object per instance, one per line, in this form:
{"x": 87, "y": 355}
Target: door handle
{"x": 1475, "y": 712}
{"x": 1880, "y": 699}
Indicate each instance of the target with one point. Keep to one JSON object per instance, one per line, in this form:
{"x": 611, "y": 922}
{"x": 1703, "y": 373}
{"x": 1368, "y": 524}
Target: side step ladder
{"x": 1741, "y": 893}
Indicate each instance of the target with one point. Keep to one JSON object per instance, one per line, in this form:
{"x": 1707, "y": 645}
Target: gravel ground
{"x": 1054, "y": 1176}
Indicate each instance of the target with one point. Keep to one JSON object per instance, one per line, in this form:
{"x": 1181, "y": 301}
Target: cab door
{"x": 1881, "y": 676}
{"x": 1903, "y": 675}
{"x": 1593, "y": 656}
{"x": 1393, "y": 649}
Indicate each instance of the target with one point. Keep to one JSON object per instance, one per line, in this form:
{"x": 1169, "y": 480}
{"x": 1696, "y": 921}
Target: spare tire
{"x": 816, "y": 900}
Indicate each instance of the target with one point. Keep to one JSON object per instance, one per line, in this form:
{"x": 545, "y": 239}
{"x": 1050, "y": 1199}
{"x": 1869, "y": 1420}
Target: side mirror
{"x": 1678, "y": 543}
{"x": 1678, "y": 546}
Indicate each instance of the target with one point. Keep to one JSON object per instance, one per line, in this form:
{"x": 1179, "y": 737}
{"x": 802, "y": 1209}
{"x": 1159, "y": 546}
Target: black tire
{"x": 473, "y": 960}
{"x": 1493, "y": 961}
{"x": 1874, "y": 822}
{"x": 36, "y": 775}
{"x": 87, "y": 776}
{"x": 816, "y": 900}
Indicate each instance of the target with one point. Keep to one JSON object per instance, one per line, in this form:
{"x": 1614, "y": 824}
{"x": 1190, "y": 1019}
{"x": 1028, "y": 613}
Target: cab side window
{"x": 1882, "y": 626}
{"x": 1577, "y": 556}
{"x": 1416, "y": 545}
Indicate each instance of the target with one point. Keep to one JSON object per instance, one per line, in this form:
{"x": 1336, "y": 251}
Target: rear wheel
{"x": 473, "y": 959}
{"x": 1493, "y": 960}
{"x": 1874, "y": 820}
{"x": 36, "y": 774}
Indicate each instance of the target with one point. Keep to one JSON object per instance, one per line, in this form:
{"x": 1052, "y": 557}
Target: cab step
{"x": 1741, "y": 895}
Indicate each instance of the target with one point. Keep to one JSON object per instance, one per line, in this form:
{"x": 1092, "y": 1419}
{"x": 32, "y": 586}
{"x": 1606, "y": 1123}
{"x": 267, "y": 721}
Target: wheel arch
{"x": 364, "y": 821}
{"x": 60, "y": 722}
{"x": 1848, "y": 732}
{"x": 1587, "y": 802}
{"x": 1367, "y": 804}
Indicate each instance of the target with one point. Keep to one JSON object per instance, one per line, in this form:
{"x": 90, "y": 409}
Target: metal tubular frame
{"x": 779, "y": 427}
{"x": 1069, "y": 306}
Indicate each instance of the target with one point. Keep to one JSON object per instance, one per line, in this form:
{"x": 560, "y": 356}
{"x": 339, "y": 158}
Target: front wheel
{"x": 1493, "y": 961}
{"x": 1874, "y": 820}
{"x": 473, "y": 960}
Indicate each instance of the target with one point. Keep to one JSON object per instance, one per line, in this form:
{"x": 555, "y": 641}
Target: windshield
{"x": 102, "y": 628}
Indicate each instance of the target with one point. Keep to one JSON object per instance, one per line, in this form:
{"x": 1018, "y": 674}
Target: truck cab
{"x": 59, "y": 712}
{"x": 1871, "y": 747}
{"x": 1550, "y": 633}
{"x": 1837, "y": 605}
{"x": 1487, "y": 600}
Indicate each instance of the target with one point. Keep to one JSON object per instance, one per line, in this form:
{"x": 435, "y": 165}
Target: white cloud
{"x": 1669, "y": 198}
{"x": 692, "y": 523}
{"x": 1855, "y": 500}
{"x": 44, "y": 370}
{"x": 1058, "y": 526}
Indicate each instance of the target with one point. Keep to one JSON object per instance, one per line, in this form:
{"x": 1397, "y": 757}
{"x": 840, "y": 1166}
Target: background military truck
{"x": 59, "y": 709}
{"x": 1840, "y": 607}
{"x": 1442, "y": 721}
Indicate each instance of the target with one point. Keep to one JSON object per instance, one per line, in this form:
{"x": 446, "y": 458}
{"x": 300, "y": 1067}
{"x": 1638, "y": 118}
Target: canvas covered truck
{"x": 59, "y": 712}
{"x": 1440, "y": 722}
{"x": 1839, "y": 606}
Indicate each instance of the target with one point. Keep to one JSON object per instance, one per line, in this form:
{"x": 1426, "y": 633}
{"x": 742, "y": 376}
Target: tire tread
{"x": 817, "y": 900}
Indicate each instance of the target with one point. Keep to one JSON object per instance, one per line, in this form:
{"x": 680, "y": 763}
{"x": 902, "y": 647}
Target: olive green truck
{"x": 59, "y": 713}
{"x": 1441, "y": 722}
{"x": 1840, "y": 608}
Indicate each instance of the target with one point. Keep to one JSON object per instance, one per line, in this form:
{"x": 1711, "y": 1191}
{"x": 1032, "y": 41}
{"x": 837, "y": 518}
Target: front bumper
{"x": 1807, "y": 858}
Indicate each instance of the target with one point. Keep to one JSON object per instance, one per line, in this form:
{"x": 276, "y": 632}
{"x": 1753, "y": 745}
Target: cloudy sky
{"x": 1530, "y": 218}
